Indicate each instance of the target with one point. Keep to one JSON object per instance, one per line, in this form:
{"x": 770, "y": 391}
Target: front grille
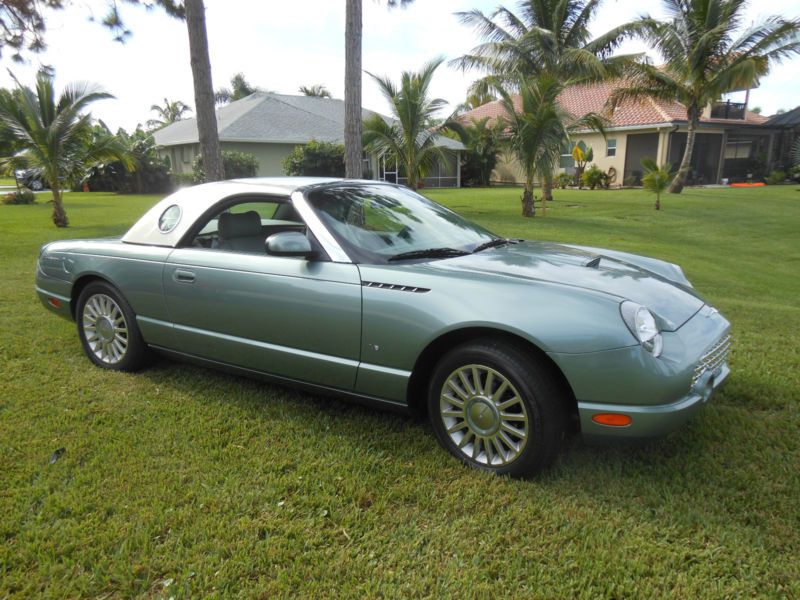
{"x": 712, "y": 359}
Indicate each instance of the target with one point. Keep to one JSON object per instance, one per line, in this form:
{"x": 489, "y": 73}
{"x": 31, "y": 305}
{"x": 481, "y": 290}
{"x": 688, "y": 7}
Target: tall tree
{"x": 547, "y": 38}
{"x": 168, "y": 113}
{"x": 353, "y": 117}
{"x": 535, "y": 129}
{"x": 240, "y": 88}
{"x": 203, "y": 91}
{"x": 707, "y": 52}
{"x": 56, "y": 135}
{"x": 318, "y": 91}
{"x": 410, "y": 139}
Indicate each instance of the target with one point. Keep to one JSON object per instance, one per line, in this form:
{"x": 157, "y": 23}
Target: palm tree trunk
{"x": 528, "y": 205}
{"x": 547, "y": 192}
{"x": 59, "y": 214}
{"x": 203, "y": 91}
{"x": 676, "y": 187}
{"x": 352, "y": 90}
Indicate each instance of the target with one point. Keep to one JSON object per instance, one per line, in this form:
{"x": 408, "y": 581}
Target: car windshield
{"x": 378, "y": 224}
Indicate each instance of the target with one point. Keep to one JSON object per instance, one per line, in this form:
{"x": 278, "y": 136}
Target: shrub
{"x": 22, "y": 196}
{"x": 151, "y": 173}
{"x": 563, "y": 180}
{"x": 180, "y": 180}
{"x": 776, "y": 177}
{"x": 316, "y": 159}
{"x": 593, "y": 176}
{"x": 235, "y": 164}
{"x": 630, "y": 181}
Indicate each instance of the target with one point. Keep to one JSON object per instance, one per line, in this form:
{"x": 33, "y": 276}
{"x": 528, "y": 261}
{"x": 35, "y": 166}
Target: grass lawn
{"x": 185, "y": 482}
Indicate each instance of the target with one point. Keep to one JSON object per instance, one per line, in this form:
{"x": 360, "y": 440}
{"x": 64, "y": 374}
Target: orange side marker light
{"x": 54, "y": 302}
{"x": 612, "y": 419}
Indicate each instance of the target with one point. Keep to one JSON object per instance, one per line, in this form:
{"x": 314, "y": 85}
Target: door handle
{"x": 183, "y": 276}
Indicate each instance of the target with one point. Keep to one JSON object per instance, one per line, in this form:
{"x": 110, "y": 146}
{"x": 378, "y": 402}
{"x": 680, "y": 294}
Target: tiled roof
{"x": 581, "y": 99}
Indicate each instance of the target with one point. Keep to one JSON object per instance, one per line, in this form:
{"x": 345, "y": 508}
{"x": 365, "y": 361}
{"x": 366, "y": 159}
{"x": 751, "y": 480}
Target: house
{"x": 732, "y": 143}
{"x": 270, "y": 125}
{"x": 788, "y": 133}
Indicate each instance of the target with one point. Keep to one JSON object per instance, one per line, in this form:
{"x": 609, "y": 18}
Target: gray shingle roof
{"x": 787, "y": 119}
{"x": 265, "y": 117}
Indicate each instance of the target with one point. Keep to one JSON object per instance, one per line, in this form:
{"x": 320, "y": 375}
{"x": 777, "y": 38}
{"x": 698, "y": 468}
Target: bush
{"x": 630, "y": 181}
{"x": 563, "y": 180}
{"x": 593, "y": 176}
{"x": 22, "y": 196}
{"x": 180, "y": 180}
{"x": 151, "y": 174}
{"x": 324, "y": 159}
{"x": 776, "y": 177}
{"x": 236, "y": 164}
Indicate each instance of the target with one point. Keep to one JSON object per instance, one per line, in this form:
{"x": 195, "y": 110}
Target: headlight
{"x": 643, "y": 326}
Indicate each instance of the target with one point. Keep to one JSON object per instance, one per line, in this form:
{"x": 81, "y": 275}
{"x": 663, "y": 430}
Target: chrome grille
{"x": 712, "y": 359}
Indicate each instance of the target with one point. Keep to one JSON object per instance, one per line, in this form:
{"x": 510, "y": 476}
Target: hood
{"x": 614, "y": 273}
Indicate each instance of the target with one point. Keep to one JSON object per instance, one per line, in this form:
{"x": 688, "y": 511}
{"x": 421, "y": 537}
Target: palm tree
{"x": 536, "y": 127}
{"x": 168, "y": 113}
{"x": 706, "y": 54}
{"x": 207, "y": 131}
{"x": 656, "y": 178}
{"x": 410, "y": 139}
{"x": 483, "y": 139}
{"x": 549, "y": 39}
{"x": 240, "y": 88}
{"x": 318, "y": 91}
{"x": 56, "y": 138}
{"x": 352, "y": 85}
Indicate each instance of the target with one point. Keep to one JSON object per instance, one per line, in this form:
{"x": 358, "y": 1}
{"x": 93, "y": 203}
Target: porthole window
{"x": 169, "y": 219}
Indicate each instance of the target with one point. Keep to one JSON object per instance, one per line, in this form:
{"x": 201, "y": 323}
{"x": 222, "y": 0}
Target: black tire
{"x": 540, "y": 410}
{"x": 104, "y": 350}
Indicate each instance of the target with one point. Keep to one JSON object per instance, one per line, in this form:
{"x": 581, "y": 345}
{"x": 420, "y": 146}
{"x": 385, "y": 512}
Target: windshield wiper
{"x": 493, "y": 243}
{"x": 429, "y": 253}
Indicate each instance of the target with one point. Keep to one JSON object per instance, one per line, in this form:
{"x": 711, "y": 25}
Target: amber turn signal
{"x": 54, "y": 302}
{"x": 613, "y": 419}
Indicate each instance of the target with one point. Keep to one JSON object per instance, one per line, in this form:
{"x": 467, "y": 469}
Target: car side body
{"x": 374, "y": 332}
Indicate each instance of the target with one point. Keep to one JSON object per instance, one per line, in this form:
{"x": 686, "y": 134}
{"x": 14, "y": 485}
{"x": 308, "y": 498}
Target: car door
{"x": 285, "y": 316}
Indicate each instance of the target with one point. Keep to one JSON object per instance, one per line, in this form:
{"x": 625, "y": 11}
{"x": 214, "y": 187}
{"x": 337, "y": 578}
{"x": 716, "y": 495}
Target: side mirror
{"x": 289, "y": 243}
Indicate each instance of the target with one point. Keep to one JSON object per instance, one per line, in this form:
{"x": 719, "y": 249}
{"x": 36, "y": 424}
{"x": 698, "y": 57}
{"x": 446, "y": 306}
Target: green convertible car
{"x": 370, "y": 291}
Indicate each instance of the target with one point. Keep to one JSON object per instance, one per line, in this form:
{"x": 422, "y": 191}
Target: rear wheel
{"x": 107, "y": 329}
{"x": 497, "y": 408}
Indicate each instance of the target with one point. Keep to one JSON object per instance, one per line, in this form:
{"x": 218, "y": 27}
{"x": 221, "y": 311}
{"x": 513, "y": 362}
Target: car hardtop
{"x": 196, "y": 201}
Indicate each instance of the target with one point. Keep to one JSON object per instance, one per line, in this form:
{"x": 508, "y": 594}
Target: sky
{"x": 282, "y": 45}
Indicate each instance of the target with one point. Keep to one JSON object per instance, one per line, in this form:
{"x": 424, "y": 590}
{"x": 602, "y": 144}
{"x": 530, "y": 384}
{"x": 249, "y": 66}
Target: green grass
{"x": 184, "y": 482}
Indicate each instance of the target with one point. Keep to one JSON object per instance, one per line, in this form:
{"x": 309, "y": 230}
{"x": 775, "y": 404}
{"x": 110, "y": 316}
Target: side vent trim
{"x": 395, "y": 287}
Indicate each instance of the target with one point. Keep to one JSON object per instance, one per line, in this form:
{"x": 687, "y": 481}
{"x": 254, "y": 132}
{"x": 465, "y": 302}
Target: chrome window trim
{"x": 313, "y": 222}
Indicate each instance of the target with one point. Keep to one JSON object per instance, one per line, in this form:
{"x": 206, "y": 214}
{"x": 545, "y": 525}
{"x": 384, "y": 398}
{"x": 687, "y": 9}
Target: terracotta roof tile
{"x": 585, "y": 98}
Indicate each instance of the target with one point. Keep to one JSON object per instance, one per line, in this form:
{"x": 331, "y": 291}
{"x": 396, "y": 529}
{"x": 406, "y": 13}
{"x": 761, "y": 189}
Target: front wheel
{"x": 107, "y": 329}
{"x": 497, "y": 408}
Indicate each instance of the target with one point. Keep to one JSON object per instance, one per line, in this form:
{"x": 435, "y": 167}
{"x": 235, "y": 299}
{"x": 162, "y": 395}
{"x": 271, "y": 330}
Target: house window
{"x": 611, "y": 147}
{"x": 185, "y": 156}
{"x": 566, "y": 162}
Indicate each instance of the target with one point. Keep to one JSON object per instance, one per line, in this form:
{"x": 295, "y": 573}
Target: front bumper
{"x": 651, "y": 421}
{"x": 658, "y": 394}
